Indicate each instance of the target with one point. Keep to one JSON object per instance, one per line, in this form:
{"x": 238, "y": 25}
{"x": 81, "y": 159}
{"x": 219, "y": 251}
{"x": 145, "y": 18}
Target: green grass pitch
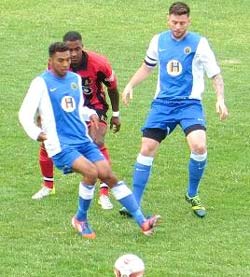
{"x": 36, "y": 238}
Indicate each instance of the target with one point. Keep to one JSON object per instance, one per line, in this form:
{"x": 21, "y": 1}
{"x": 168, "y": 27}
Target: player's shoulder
{"x": 71, "y": 74}
{"x": 96, "y": 57}
{"x": 195, "y": 36}
{"x": 73, "y": 77}
{"x": 41, "y": 77}
{"x": 165, "y": 34}
{"x": 38, "y": 83}
{"x": 201, "y": 40}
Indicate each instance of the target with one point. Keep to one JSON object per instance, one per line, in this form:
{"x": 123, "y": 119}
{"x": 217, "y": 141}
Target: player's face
{"x": 178, "y": 24}
{"x": 75, "y": 48}
{"x": 60, "y": 63}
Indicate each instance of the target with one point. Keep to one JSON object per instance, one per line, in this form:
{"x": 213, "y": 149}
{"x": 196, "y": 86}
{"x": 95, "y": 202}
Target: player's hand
{"x": 42, "y": 137}
{"x": 94, "y": 121}
{"x": 221, "y": 109}
{"x": 127, "y": 94}
{"x": 115, "y": 124}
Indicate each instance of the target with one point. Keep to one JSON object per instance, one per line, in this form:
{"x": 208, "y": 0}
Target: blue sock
{"x": 196, "y": 170}
{"x": 139, "y": 217}
{"x": 124, "y": 195}
{"x": 83, "y": 207}
{"x": 140, "y": 180}
{"x": 86, "y": 194}
{"x": 131, "y": 205}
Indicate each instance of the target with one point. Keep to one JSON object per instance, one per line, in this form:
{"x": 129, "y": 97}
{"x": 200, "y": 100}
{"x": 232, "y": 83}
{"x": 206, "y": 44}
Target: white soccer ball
{"x": 129, "y": 265}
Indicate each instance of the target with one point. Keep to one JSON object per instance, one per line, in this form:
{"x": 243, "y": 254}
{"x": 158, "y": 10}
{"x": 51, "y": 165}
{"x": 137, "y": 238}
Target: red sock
{"x": 104, "y": 190}
{"x": 46, "y": 167}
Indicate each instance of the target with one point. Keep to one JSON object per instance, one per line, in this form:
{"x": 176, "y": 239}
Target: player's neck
{"x": 179, "y": 38}
{"x": 56, "y": 75}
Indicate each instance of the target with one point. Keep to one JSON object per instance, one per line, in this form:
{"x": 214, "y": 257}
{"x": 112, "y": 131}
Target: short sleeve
{"x": 151, "y": 58}
{"x": 207, "y": 58}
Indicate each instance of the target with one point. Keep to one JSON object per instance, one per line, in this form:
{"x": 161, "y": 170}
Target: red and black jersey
{"x": 95, "y": 72}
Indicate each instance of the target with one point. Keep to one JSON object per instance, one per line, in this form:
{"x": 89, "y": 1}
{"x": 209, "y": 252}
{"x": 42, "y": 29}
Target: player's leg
{"x": 99, "y": 137}
{"x": 72, "y": 160}
{"x": 198, "y": 158}
{"x": 86, "y": 195}
{"x": 155, "y": 129}
{"x": 158, "y": 125}
{"x": 144, "y": 162}
{"x": 46, "y": 168}
{"x": 197, "y": 163}
{"x": 124, "y": 195}
{"x": 193, "y": 124}
{"x": 143, "y": 165}
{"x": 104, "y": 199}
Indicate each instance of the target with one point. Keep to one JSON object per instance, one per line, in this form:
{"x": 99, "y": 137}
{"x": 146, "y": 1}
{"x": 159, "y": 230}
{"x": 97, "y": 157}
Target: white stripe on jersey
{"x": 37, "y": 101}
{"x": 204, "y": 61}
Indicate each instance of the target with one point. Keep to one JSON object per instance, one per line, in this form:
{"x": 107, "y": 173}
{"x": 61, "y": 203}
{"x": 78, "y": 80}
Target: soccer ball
{"x": 129, "y": 265}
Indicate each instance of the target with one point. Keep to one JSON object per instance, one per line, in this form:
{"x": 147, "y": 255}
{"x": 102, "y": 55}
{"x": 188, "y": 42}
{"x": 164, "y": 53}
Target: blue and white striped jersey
{"x": 59, "y": 102}
{"x": 182, "y": 64}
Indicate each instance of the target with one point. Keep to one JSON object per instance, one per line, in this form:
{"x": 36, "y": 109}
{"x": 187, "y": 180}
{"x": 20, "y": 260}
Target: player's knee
{"x": 199, "y": 148}
{"x": 91, "y": 173}
{"x": 111, "y": 180}
{"x": 107, "y": 176}
{"x": 105, "y": 173}
{"x": 149, "y": 147}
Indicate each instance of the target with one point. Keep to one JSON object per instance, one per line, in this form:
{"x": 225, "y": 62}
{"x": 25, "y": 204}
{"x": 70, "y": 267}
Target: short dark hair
{"x": 179, "y": 8}
{"x": 72, "y": 36}
{"x": 57, "y": 47}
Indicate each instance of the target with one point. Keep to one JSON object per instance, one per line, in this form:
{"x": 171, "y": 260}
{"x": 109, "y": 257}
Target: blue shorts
{"x": 166, "y": 115}
{"x": 70, "y": 153}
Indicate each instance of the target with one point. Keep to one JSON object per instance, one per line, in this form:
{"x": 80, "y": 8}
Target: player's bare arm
{"x": 218, "y": 85}
{"x": 115, "y": 123}
{"x": 141, "y": 74}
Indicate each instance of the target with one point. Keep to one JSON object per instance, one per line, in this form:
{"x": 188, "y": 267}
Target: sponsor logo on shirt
{"x": 68, "y": 104}
{"x": 86, "y": 85}
{"x": 174, "y": 68}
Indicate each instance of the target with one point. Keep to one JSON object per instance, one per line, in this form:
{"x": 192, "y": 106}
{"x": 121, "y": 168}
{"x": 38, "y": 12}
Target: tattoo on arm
{"x": 218, "y": 85}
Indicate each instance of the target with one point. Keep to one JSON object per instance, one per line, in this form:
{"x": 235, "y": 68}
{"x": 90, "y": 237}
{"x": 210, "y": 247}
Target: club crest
{"x": 74, "y": 85}
{"x": 187, "y": 50}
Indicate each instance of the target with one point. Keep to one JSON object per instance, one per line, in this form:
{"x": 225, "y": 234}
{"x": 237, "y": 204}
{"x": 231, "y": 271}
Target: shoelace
{"x": 196, "y": 201}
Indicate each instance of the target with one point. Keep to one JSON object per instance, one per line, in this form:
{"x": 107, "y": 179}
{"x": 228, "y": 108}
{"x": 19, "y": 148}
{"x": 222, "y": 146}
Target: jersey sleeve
{"x": 86, "y": 113}
{"x": 107, "y": 74}
{"x": 207, "y": 58}
{"x": 29, "y": 108}
{"x": 151, "y": 58}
